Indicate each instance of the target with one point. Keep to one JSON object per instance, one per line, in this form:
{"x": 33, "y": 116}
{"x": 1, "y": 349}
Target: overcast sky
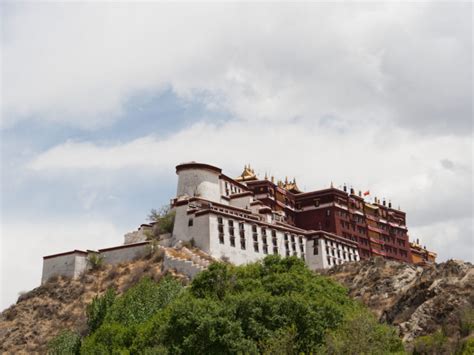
{"x": 101, "y": 101}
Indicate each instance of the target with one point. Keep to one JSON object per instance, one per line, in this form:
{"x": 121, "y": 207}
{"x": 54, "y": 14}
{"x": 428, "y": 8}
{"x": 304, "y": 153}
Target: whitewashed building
{"x": 224, "y": 219}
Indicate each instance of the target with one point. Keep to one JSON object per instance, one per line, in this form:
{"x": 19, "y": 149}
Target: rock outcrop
{"x": 418, "y": 299}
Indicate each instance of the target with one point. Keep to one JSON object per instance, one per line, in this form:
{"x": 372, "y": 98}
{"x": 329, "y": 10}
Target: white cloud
{"x": 25, "y": 242}
{"x": 78, "y": 63}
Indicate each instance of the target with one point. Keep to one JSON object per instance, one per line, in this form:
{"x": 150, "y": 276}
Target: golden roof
{"x": 291, "y": 186}
{"x": 247, "y": 174}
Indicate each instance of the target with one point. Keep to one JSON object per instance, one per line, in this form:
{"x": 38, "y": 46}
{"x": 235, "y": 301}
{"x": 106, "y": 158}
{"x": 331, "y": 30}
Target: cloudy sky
{"x": 101, "y": 100}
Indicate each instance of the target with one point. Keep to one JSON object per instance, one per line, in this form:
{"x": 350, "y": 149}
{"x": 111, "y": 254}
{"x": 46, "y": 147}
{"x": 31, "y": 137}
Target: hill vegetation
{"x": 273, "y": 306}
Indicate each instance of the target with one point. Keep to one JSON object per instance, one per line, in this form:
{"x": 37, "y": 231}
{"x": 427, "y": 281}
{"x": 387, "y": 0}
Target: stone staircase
{"x": 184, "y": 261}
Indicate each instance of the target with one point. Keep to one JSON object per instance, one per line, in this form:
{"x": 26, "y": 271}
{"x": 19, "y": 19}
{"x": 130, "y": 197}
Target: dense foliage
{"x": 98, "y": 308}
{"x": 274, "y": 306}
{"x": 66, "y": 343}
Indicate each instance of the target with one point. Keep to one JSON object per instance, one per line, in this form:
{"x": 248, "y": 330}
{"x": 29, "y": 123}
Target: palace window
{"x": 316, "y": 202}
{"x": 190, "y": 222}
{"x": 231, "y": 233}
{"x": 315, "y": 247}
{"x": 242, "y": 235}
{"x": 220, "y": 229}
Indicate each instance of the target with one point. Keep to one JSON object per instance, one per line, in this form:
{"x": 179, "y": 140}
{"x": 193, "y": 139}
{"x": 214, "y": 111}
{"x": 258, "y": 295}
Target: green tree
{"x": 65, "y": 343}
{"x": 435, "y": 344}
{"x": 273, "y": 306}
{"x": 97, "y": 309}
{"x": 143, "y": 300}
{"x": 363, "y": 334}
{"x": 164, "y": 218}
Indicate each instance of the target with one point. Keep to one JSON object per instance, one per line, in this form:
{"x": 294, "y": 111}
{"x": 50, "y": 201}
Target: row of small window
{"x": 340, "y": 254}
{"x": 355, "y": 218}
{"x": 397, "y": 232}
{"x": 289, "y": 247}
{"x": 352, "y": 227}
{"x": 394, "y": 250}
{"x": 333, "y": 244}
{"x": 232, "y": 189}
{"x": 400, "y": 242}
{"x": 334, "y": 261}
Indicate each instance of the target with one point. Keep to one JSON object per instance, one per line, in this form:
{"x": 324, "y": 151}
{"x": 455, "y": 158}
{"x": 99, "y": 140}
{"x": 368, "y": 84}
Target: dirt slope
{"x": 40, "y": 314}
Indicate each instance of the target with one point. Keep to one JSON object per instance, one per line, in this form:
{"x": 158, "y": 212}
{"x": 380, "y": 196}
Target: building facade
{"x": 246, "y": 218}
{"x": 225, "y": 218}
{"x": 242, "y": 220}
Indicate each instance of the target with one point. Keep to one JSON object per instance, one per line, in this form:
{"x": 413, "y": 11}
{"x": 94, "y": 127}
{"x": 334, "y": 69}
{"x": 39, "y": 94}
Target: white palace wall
{"x": 124, "y": 253}
{"x": 68, "y": 264}
{"x": 199, "y": 183}
{"x": 74, "y": 263}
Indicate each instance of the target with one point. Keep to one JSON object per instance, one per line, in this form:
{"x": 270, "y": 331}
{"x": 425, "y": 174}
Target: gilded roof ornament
{"x": 247, "y": 174}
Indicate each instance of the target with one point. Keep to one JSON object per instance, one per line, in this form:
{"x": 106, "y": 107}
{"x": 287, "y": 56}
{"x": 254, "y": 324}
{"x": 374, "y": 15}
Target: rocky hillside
{"x": 42, "y": 313}
{"x": 419, "y": 300}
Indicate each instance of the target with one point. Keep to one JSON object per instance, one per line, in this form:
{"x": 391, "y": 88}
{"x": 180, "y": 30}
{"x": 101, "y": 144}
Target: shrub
{"x": 363, "y": 334}
{"x": 467, "y": 322}
{"x": 164, "y": 219}
{"x": 154, "y": 252}
{"x": 95, "y": 261}
{"x": 110, "y": 338}
{"x": 97, "y": 309}
{"x": 274, "y": 306}
{"x": 467, "y": 347}
{"x": 143, "y": 300}
{"x": 65, "y": 343}
{"x": 436, "y": 343}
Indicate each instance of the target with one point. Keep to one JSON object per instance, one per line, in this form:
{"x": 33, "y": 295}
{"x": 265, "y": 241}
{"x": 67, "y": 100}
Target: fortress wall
{"x": 124, "y": 253}
{"x": 70, "y": 264}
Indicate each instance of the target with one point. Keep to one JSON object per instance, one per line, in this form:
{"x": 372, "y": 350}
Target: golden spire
{"x": 247, "y": 174}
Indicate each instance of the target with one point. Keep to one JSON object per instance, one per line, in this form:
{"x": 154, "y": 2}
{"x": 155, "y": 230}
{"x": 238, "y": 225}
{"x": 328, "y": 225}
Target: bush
{"x": 274, "y": 306}
{"x": 436, "y": 343}
{"x": 143, "y": 300}
{"x": 95, "y": 261}
{"x": 467, "y": 347}
{"x": 164, "y": 219}
{"x": 110, "y": 338}
{"x": 363, "y": 334}
{"x": 466, "y": 322}
{"x": 97, "y": 309}
{"x": 65, "y": 343}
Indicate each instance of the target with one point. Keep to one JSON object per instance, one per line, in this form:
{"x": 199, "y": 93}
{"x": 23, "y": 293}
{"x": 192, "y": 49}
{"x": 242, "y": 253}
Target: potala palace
{"x": 243, "y": 219}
